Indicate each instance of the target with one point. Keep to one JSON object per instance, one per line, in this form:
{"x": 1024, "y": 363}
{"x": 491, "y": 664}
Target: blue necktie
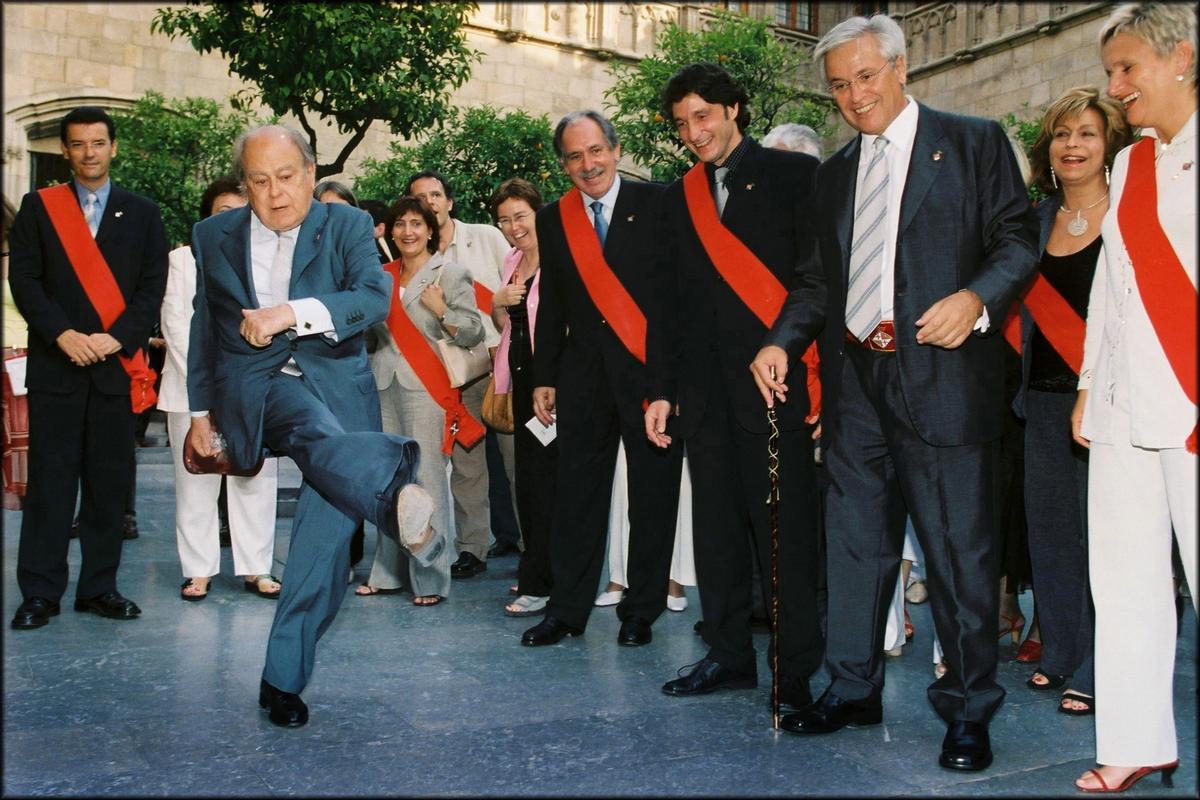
{"x": 599, "y": 221}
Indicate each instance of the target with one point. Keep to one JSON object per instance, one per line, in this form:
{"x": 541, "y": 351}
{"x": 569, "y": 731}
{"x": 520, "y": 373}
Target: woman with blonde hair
{"x": 1136, "y": 407}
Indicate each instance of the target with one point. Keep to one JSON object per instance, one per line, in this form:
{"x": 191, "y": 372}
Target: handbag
{"x": 497, "y": 409}
{"x": 463, "y": 364}
{"x": 218, "y": 463}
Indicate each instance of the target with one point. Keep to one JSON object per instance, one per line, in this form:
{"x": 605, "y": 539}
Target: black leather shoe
{"x": 794, "y": 693}
{"x": 709, "y": 676}
{"x": 130, "y": 530}
{"x": 34, "y": 613}
{"x": 287, "y": 709}
{"x": 829, "y": 714}
{"x": 549, "y": 631}
{"x": 111, "y": 605}
{"x": 467, "y": 566}
{"x": 966, "y": 746}
{"x": 501, "y": 549}
{"x": 634, "y": 632}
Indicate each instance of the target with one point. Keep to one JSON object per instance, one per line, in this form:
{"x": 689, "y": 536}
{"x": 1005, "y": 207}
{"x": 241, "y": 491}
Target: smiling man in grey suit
{"x": 926, "y": 237}
{"x": 285, "y": 289}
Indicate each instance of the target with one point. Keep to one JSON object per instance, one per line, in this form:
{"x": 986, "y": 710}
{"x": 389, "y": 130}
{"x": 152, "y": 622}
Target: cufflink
{"x": 308, "y": 326}
{"x": 119, "y": 214}
{"x": 937, "y": 155}
{"x": 630, "y": 218}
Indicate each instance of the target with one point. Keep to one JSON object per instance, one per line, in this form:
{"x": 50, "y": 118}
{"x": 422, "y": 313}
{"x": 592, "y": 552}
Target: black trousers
{"x": 587, "y": 457}
{"x": 536, "y": 468}
{"x": 879, "y": 468}
{"x": 82, "y": 439}
{"x": 731, "y": 532}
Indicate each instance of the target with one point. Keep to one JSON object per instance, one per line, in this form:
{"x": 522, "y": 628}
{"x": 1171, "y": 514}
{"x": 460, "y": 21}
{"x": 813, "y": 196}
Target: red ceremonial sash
{"x": 98, "y": 283}
{"x": 607, "y": 292}
{"x": 460, "y": 426}
{"x": 1167, "y": 293}
{"x": 1063, "y": 328}
{"x": 748, "y": 277}
{"x": 483, "y": 299}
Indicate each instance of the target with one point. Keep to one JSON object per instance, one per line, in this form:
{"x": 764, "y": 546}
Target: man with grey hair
{"x": 926, "y": 237}
{"x": 600, "y": 269}
{"x": 285, "y": 288}
{"x": 795, "y": 137}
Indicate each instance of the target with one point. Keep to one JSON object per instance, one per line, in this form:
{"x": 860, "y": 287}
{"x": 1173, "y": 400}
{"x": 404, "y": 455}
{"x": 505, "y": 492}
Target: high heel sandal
{"x": 1030, "y": 652}
{"x": 1052, "y": 681}
{"x": 1015, "y": 626}
{"x": 1167, "y": 771}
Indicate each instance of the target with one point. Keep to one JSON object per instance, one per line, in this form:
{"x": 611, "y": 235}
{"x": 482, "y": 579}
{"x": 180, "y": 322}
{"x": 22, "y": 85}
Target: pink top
{"x": 500, "y": 368}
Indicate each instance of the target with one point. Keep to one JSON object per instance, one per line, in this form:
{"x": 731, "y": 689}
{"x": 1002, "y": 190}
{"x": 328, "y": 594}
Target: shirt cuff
{"x": 196, "y": 414}
{"x": 312, "y": 317}
{"x": 1085, "y": 380}
{"x": 981, "y": 324}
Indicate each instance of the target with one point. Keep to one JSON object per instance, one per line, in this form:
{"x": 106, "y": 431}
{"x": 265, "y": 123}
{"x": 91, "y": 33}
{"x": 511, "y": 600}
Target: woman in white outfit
{"x": 251, "y": 500}
{"x": 1137, "y": 400}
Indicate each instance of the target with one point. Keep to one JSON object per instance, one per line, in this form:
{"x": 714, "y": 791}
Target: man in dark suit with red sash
{"x": 739, "y": 243}
{"x": 88, "y": 270}
{"x": 600, "y": 246}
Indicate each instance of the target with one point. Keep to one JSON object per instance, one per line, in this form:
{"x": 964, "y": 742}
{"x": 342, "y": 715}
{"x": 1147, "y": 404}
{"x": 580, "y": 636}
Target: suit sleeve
{"x": 27, "y": 258}
{"x": 133, "y": 327}
{"x": 459, "y": 290}
{"x": 663, "y": 344}
{"x": 201, "y": 346}
{"x": 802, "y": 317}
{"x": 1009, "y": 228}
{"x": 551, "y": 326}
{"x": 364, "y": 295}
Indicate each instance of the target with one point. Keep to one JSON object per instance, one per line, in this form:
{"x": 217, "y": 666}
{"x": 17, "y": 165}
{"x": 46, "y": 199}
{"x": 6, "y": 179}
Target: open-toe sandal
{"x": 251, "y": 584}
{"x": 1052, "y": 682}
{"x": 1071, "y": 696}
{"x": 190, "y": 583}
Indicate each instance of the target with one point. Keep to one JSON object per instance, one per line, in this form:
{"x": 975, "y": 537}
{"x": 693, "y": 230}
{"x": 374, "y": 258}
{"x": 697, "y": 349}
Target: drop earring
{"x": 1106, "y": 175}
{"x": 1053, "y": 178}
{"x": 1179, "y": 78}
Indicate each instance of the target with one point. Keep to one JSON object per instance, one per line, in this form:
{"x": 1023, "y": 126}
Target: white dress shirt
{"x": 608, "y": 202}
{"x": 900, "y": 136}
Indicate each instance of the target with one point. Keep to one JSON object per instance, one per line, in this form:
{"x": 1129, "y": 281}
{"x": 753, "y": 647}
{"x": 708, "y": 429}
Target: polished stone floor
{"x": 445, "y": 701}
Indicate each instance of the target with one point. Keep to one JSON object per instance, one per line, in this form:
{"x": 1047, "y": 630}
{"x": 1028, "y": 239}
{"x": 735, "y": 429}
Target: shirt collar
{"x": 901, "y": 133}
{"x": 261, "y": 233}
{"x": 609, "y": 199}
{"x": 1185, "y": 133}
{"x": 102, "y": 193}
{"x": 732, "y": 161}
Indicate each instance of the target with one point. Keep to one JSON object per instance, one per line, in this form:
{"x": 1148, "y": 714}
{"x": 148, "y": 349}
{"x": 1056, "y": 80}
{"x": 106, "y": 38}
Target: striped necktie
{"x": 863, "y": 311}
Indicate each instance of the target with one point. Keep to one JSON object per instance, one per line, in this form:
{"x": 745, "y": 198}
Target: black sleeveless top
{"x": 1071, "y": 276}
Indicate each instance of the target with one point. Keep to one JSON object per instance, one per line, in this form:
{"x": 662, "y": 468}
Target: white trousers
{"x": 251, "y": 504}
{"x": 683, "y": 563}
{"x": 1135, "y": 497}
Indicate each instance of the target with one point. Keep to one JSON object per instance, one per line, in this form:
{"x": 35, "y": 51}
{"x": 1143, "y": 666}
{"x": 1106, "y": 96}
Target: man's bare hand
{"x": 543, "y": 404}
{"x": 200, "y": 435}
{"x": 948, "y": 322}
{"x": 259, "y": 325}
{"x": 1077, "y": 420}
{"x": 78, "y": 347}
{"x": 657, "y": 414}
{"x": 770, "y": 368}
{"x": 104, "y": 345}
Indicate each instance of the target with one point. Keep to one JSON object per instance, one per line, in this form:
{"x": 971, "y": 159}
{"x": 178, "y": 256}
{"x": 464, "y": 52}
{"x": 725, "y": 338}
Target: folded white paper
{"x": 15, "y": 367}
{"x": 541, "y": 432}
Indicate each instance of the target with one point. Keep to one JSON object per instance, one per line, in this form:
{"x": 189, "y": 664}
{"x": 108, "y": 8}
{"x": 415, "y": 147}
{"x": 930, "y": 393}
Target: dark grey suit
{"x": 916, "y": 431}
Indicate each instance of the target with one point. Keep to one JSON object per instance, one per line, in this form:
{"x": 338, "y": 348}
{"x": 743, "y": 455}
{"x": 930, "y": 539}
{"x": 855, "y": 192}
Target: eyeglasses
{"x": 504, "y": 222}
{"x": 862, "y": 80}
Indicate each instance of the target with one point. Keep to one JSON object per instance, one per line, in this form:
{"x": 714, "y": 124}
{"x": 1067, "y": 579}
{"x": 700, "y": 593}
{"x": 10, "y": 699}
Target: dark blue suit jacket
{"x": 965, "y": 223}
{"x": 335, "y": 262}
{"x": 51, "y": 299}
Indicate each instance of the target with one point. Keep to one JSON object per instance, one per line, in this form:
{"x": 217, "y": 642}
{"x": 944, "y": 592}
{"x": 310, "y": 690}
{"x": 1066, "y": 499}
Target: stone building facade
{"x": 984, "y": 58}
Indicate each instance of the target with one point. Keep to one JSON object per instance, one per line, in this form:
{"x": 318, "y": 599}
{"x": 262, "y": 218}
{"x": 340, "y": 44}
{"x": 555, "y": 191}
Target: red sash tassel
{"x": 460, "y": 426}
{"x": 98, "y": 283}
{"x": 607, "y": 292}
{"x": 746, "y": 274}
{"x": 1167, "y": 293}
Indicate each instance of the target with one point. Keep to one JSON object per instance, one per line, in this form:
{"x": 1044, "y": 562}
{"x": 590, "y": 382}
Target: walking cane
{"x": 773, "y": 502}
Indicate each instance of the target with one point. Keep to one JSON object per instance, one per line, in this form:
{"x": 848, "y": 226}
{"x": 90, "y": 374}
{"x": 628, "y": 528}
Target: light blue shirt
{"x": 102, "y": 193}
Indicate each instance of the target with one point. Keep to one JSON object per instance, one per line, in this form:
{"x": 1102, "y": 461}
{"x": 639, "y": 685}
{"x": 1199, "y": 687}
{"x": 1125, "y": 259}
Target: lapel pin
{"x": 1188, "y": 165}
{"x": 120, "y": 214}
{"x": 937, "y": 155}
{"x": 630, "y": 218}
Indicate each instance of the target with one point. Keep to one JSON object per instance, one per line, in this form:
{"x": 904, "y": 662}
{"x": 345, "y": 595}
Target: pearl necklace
{"x": 1079, "y": 225}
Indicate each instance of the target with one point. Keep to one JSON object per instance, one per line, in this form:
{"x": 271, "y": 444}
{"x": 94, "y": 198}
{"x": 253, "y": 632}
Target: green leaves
{"x": 169, "y": 151}
{"x": 475, "y": 149}
{"x": 350, "y": 63}
{"x": 766, "y": 68}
